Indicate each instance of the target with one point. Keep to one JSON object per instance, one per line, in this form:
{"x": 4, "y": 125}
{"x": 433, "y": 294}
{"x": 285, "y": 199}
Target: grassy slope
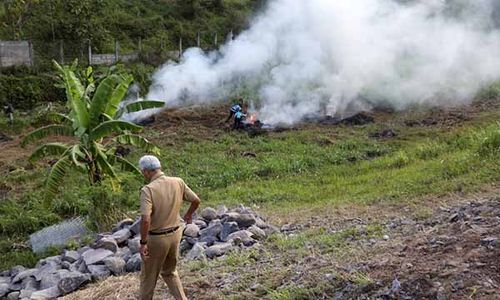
{"x": 312, "y": 168}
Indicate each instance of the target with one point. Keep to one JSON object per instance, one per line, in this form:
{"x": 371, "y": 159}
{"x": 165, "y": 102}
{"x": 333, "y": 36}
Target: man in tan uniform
{"x": 161, "y": 231}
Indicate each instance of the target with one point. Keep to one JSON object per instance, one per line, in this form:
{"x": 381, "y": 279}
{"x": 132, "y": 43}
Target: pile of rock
{"x": 220, "y": 230}
{"x": 212, "y": 234}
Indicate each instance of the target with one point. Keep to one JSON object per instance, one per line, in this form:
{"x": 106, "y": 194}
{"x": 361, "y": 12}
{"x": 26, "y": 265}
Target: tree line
{"x": 153, "y": 22}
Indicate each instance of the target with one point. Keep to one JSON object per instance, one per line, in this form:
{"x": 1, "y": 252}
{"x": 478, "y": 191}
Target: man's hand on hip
{"x": 144, "y": 252}
{"x": 188, "y": 218}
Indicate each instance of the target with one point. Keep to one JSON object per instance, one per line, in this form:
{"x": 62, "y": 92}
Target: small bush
{"x": 398, "y": 160}
{"x": 489, "y": 141}
{"x": 429, "y": 150}
{"x": 24, "y": 92}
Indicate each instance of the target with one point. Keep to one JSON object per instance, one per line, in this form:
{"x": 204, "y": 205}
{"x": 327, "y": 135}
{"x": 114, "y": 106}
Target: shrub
{"x": 489, "y": 140}
{"x": 24, "y": 92}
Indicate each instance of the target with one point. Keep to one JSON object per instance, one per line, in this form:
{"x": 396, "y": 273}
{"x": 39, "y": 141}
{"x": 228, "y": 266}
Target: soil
{"x": 452, "y": 255}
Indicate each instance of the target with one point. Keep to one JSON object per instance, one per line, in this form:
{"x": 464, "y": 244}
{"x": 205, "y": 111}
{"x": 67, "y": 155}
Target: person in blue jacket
{"x": 234, "y": 109}
{"x": 238, "y": 119}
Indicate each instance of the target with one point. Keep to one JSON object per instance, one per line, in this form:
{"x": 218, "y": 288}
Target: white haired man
{"x": 161, "y": 231}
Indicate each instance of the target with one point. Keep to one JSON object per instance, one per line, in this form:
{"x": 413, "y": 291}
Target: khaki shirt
{"x": 162, "y": 200}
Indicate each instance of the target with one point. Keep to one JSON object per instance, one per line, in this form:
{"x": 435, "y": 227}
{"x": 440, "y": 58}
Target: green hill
{"x": 154, "y": 22}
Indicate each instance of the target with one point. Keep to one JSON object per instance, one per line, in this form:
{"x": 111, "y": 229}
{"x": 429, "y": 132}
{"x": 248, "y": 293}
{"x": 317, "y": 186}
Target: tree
{"x": 94, "y": 121}
{"x": 16, "y": 13}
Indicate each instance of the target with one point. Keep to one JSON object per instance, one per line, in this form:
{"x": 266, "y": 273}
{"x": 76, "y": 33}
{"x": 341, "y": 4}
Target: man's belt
{"x": 166, "y": 231}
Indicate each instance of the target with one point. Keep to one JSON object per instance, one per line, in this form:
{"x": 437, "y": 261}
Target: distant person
{"x": 8, "y": 109}
{"x": 161, "y": 231}
{"x": 234, "y": 109}
{"x": 238, "y": 119}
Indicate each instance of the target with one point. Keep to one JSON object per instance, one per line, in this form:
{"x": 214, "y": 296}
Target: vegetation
{"x": 313, "y": 168}
{"x": 153, "y": 27}
{"x": 29, "y": 90}
{"x": 156, "y": 23}
{"x": 94, "y": 112}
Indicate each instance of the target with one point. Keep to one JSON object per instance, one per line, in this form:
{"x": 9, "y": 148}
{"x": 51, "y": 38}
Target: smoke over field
{"x": 302, "y": 57}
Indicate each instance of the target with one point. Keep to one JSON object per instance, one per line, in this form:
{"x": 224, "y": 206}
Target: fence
{"x": 16, "y": 53}
{"x": 41, "y": 53}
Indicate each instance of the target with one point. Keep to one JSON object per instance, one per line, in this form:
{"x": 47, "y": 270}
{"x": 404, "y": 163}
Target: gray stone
{"x": 30, "y": 283}
{"x": 25, "y": 294}
{"x": 227, "y": 229}
{"x": 72, "y": 281}
{"x": 184, "y": 246}
{"x": 260, "y": 223}
{"x": 209, "y": 214}
{"x": 99, "y": 272}
{"x": 124, "y": 224}
{"x": 70, "y": 256}
{"x": 5, "y": 273}
{"x": 221, "y": 210}
{"x": 213, "y": 229}
{"x": 51, "y": 280}
{"x": 135, "y": 228}
{"x": 441, "y": 294}
{"x": 4, "y": 289}
{"x": 46, "y": 270}
{"x": 271, "y": 229}
{"x": 115, "y": 264}
{"x": 190, "y": 240}
{"x": 123, "y": 253}
{"x": 94, "y": 256}
{"x": 24, "y": 274}
{"x": 134, "y": 245}
{"x": 46, "y": 294}
{"x": 457, "y": 285}
{"x": 243, "y": 220}
{"x": 239, "y": 208}
{"x": 257, "y": 232}
{"x": 66, "y": 265}
{"x": 13, "y": 295}
{"x": 16, "y": 270}
{"x": 208, "y": 240}
{"x": 5, "y": 279}
{"x": 243, "y": 235}
{"x": 490, "y": 241}
{"x": 52, "y": 260}
{"x": 81, "y": 267}
{"x": 83, "y": 249}
{"x": 202, "y": 224}
{"x": 134, "y": 263}
{"x": 107, "y": 242}
{"x": 191, "y": 230}
{"x": 121, "y": 235}
{"x": 218, "y": 249}
{"x": 16, "y": 286}
{"x": 196, "y": 252}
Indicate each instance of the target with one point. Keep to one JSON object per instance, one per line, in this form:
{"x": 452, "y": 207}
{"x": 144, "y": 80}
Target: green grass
{"x": 310, "y": 167}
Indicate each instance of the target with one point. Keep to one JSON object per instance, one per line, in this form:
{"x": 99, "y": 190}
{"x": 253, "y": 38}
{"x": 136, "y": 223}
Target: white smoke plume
{"x": 303, "y": 57}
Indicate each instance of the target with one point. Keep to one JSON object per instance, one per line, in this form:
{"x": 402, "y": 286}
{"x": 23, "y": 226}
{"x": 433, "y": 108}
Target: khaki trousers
{"x": 163, "y": 254}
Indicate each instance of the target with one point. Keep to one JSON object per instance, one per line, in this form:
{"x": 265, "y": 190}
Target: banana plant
{"x": 94, "y": 124}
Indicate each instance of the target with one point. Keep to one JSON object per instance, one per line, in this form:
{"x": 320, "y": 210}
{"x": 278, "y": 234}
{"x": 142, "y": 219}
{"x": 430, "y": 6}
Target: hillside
{"x": 338, "y": 190}
{"x": 152, "y": 21}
